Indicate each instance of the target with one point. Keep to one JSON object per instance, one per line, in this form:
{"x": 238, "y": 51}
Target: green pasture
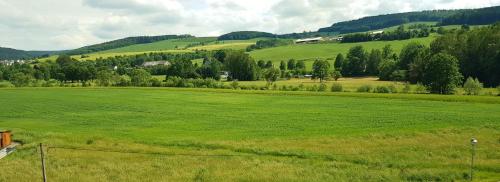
{"x": 311, "y": 52}
{"x": 226, "y": 44}
{"x": 172, "y": 44}
{"x": 248, "y": 135}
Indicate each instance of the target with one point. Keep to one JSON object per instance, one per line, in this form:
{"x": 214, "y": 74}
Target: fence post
{"x": 43, "y": 163}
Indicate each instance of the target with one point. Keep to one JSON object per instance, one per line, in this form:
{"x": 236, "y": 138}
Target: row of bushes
{"x": 124, "y": 81}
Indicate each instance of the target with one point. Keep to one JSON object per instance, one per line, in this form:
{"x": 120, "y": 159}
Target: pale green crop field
{"x": 173, "y": 44}
{"x": 226, "y": 135}
{"x": 226, "y": 44}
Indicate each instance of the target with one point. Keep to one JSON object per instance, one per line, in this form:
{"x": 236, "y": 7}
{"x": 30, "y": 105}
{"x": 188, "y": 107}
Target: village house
{"x": 155, "y": 63}
{"x": 309, "y": 40}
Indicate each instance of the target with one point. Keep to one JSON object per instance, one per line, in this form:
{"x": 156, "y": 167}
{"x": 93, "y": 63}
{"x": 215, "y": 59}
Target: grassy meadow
{"x": 172, "y": 44}
{"x": 249, "y": 135}
{"x": 351, "y": 84}
{"x": 311, "y": 52}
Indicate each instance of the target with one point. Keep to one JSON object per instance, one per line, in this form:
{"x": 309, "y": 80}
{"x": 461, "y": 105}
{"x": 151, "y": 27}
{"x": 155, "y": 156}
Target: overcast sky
{"x": 68, "y": 24}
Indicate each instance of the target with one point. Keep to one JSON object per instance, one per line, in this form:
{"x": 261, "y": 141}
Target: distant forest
{"x": 245, "y": 35}
{"x": 444, "y": 17}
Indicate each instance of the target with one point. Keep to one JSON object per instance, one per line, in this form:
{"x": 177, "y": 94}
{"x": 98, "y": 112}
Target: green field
{"x": 172, "y": 44}
{"x": 226, "y": 44}
{"x": 310, "y": 52}
{"x": 248, "y": 135}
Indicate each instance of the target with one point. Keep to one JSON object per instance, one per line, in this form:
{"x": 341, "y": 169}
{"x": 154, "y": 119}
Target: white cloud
{"x": 63, "y": 24}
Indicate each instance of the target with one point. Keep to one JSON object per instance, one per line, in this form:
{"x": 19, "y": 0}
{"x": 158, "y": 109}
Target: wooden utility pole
{"x": 43, "y": 163}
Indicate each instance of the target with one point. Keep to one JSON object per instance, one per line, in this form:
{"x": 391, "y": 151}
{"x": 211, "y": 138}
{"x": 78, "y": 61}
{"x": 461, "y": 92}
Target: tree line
{"x": 399, "y": 34}
{"x": 444, "y": 65}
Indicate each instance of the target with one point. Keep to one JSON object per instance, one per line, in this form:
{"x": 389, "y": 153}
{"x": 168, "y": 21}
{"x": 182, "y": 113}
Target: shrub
{"x": 365, "y": 88}
{"x": 393, "y": 89}
{"x": 155, "y": 82}
{"x": 398, "y": 75}
{"x": 407, "y": 88}
{"x": 21, "y": 80}
{"x": 275, "y": 87}
{"x": 498, "y": 90}
{"x": 322, "y": 87}
{"x": 123, "y": 81}
{"x": 472, "y": 86}
{"x": 420, "y": 89}
{"x": 336, "y": 75}
{"x": 313, "y": 88}
{"x": 5, "y": 84}
{"x": 234, "y": 84}
{"x": 382, "y": 89}
{"x": 336, "y": 87}
{"x": 50, "y": 83}
{"x": 301, "y": 87}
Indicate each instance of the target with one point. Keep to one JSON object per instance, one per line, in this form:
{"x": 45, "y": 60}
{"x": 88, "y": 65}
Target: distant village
{"x": 11, "y": 62}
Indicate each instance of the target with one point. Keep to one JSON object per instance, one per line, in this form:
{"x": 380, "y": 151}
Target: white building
{"x": 309, "y": 40}
{"x": 155, "y": 63}
{"x": 377, "y": 32}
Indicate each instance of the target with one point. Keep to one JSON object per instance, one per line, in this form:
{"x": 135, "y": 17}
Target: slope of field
{"x": 244, "y": 136}
{"x": 310, "y": 52}
{"x": 162, "y": 45}
{"x": 226, "y": 44}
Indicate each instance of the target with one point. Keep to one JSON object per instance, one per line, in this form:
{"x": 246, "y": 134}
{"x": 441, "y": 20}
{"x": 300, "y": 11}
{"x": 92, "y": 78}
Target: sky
{"x": 69, "y": 24}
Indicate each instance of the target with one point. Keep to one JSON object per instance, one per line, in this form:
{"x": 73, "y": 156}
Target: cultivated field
{"x": 226, "y": 135}
{"x": 172, "y": 44}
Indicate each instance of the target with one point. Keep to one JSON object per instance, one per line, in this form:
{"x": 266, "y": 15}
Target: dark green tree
{"x": 183, "y": 69}
{"x": 442, "y": 74}
{"x": 356, "y": 62}
{"x": 211, "y": 69}
{"x": 291, "y": 64}
{"x": 241, "y": 66}
{"x": 140, "y": 78}
{"x": 271, "y": 75}
{"x": 386, "y": 68}
{"x": 283, "y": 66}
{"x": 269, "y": 64}
{"x": 339, "y": 61}
{"x": 373, "y": 62}
{"x": 409, "y": 53}
{"x": 321, "y": 69}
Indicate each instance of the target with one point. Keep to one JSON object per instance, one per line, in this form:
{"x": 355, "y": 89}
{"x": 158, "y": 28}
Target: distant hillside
{"x": 447, "y": 17}
{"x": 13, "y": 54}
{"x": 474, "y": 17}
{"x": 123, "y": 43}
{"x": 246, "y": 35}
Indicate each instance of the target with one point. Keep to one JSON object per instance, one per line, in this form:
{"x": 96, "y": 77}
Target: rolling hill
{"x": 310, "y": 52}
{"x": 242, "y": 39}
{"x": 445, "y": 17}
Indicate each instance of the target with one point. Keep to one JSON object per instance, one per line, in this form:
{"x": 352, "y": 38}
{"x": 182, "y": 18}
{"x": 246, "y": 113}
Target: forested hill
{"x": 446, "y": 17}
{"x": 474, "y": 17}
{"x": 123, "y": 43}
{"x": 13, "y": 54}
{"x": 245, "y": 35}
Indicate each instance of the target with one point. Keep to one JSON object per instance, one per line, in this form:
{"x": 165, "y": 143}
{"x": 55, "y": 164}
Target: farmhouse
{"x": 376, "y": 32}
{"x": 11, "y": 62}
{"x": 309, "y": 40}
{"x": 156, "y": 63}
